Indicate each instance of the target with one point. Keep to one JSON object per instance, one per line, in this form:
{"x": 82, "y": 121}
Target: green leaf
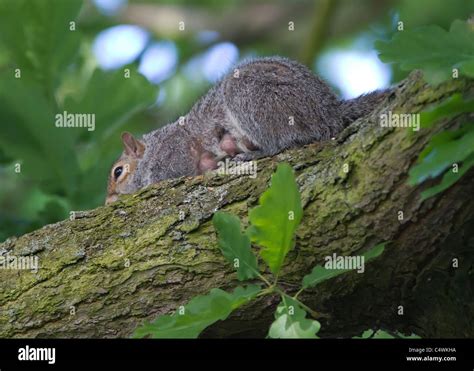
{"x": 452, "y": 106}
{"x": 47, "y": 153}
{"x": 449, "y": 178}
{"x": 124, "y": 96}
{"x": 467, "y": 67}
{"x": 235, "y": 245}
{"x": 381, "y": 334}
{"x": 4, "y": 159}
{"x": 412, "y": 336}
{"x": 433, "y": 50}
{"x": 440, "y": 139}
{"x": 371, "y": 334}
{"x": 365, "y": 335}
{"x": 320, "y": 273}
{"x": 199, "y": 313}
{"x": 38, "y": 37}
{"x": 374, "y": 252}
{"x": 291, "y": 322}
{"x": 444, "y": 149}
{"x": 274, "y": 221}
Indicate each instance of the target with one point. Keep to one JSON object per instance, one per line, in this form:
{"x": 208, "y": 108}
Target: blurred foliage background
{"x": 71, "y": 55}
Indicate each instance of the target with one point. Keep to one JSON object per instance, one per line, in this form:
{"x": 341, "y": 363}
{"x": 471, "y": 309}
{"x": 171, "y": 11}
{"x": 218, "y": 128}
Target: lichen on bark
{"x": 111, "y": 268}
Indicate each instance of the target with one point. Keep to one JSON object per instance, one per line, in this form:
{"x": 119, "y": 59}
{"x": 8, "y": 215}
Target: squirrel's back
{"x": 281, "y": 96}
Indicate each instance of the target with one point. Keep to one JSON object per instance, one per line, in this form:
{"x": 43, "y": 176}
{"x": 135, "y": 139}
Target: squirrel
{"x": 262, "y": 107}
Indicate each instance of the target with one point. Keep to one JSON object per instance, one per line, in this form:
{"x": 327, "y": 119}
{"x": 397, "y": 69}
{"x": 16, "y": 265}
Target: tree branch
{"x": 114, "y": 267}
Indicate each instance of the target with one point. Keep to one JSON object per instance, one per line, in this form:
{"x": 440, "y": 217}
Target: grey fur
{"x": 257, "y": 106}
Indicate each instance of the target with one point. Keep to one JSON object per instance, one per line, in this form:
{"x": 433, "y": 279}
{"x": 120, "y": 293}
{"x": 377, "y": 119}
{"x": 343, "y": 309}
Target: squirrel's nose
{"x": 111, "y": 198}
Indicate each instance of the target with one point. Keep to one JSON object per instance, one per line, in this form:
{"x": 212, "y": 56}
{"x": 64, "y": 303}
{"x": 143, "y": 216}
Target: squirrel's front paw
{"x": 228, "y": 144}
{"x": 207, "y": 162}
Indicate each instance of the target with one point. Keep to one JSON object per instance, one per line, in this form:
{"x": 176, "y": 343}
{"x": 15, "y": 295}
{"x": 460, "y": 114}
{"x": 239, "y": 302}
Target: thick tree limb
{"x": 86, "y": 288}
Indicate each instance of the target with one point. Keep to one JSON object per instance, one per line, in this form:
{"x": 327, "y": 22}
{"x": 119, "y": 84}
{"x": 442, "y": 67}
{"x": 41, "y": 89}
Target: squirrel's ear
{"x": 133, "y": 147}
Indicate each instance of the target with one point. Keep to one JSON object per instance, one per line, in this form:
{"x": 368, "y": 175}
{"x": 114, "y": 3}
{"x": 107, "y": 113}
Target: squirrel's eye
{"x": 117, "y": 172}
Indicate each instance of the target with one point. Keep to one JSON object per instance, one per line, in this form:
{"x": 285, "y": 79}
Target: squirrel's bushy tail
{"x": 354, "y": 108}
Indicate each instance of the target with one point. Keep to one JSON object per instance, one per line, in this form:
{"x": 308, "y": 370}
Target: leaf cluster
{"x": 272, "y": 228}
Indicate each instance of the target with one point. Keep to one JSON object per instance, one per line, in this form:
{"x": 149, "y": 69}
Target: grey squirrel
{"x": 262, "y": 107}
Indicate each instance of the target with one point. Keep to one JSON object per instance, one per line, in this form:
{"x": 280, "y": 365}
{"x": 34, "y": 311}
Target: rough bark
{"x": 83, "y": 262}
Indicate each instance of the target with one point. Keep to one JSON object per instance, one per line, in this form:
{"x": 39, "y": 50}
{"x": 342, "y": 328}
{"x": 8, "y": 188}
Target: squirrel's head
{"x": 123, "y": 171}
